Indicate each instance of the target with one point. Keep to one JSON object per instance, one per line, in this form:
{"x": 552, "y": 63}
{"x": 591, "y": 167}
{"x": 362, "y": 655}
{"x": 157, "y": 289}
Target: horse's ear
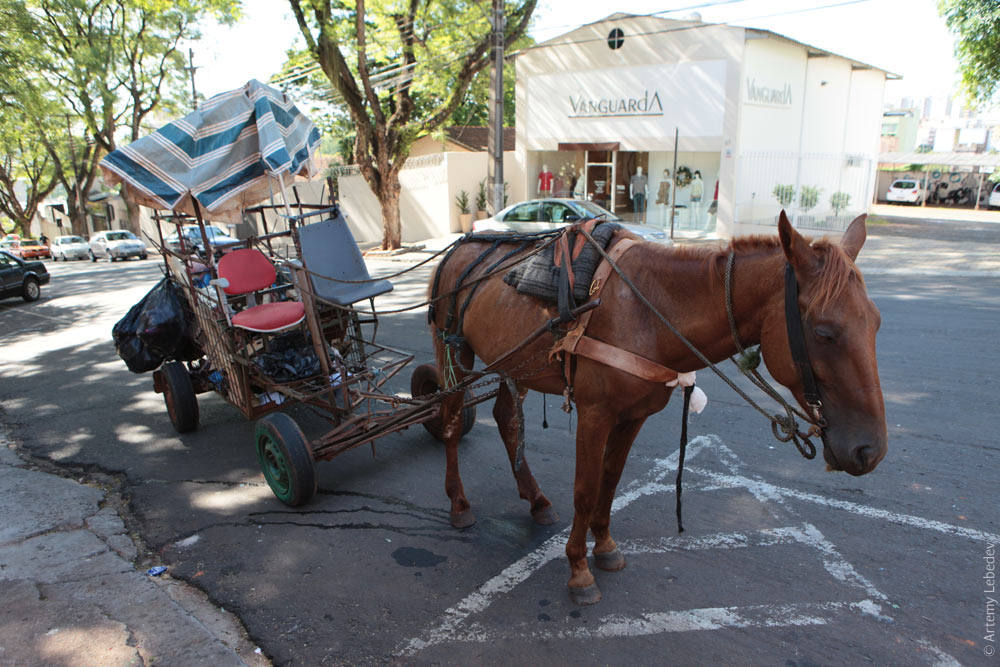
{"x": 854, "y": 237}
{"x": 797, "y": 249}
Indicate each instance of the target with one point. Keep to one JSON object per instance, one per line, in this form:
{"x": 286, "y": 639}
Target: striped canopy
{"x": 221, "y": 155}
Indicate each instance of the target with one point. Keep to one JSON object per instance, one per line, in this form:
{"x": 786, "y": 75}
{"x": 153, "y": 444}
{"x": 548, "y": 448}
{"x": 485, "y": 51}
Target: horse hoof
{"x": 612, "y": 561}
{"x": 586, "y": 595}
{"x": 545, "y": 516}
{"x": 463, "y": 519}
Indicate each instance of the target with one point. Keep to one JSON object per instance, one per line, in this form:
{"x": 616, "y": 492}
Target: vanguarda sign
{"x": 604, "y": 107}
{"x": 768, "y": 95}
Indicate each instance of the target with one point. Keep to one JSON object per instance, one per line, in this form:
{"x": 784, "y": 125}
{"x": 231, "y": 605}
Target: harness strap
{"x": 797, "y": 343}
{"x": 576, "y": 342}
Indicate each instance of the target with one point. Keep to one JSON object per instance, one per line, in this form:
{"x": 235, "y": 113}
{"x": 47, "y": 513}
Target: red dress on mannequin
{"x": 545, "y": 181}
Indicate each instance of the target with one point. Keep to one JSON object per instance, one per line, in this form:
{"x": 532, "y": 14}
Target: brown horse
{"x": 686, "y": 285}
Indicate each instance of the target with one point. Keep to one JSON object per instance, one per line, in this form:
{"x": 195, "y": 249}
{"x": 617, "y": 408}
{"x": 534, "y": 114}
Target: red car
{"x": 30, "y": 249}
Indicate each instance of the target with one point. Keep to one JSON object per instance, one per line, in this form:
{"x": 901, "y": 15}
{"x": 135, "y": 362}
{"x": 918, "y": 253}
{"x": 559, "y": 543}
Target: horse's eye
{"x": 825, "y": 334}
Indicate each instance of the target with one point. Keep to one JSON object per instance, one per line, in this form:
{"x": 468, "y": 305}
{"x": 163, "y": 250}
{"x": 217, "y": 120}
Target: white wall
{"x": 427, "y": 197}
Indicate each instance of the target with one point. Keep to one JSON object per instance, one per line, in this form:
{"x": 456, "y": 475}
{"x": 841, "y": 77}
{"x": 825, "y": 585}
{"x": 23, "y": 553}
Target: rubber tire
{"x": 143, "y": 256}
{"x": 285, "y": 459}
{"x": 31, "y": 290}
{"x": 179, "y": 397}
{"x": 426, "y": 381}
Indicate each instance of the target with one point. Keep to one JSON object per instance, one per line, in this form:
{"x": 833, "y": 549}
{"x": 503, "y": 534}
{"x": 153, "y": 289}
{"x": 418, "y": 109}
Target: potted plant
{"x": 808, "y": 197}
{"x": 785, "y": 194}
{"x": 481, "y": 200}
{"x": 464, "y": 212}
{"x": 839, "y": 201}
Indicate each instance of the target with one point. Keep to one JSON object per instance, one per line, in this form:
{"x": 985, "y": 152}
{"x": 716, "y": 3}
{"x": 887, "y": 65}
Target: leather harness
{"x": 577, "y": 342}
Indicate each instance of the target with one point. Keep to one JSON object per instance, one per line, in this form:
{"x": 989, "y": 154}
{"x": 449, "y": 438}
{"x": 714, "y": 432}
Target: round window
{"x": 616, "y": 38}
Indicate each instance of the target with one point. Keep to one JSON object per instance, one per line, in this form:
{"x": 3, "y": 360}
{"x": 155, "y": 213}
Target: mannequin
{"x": 665, "y": 191}
{"x": 545, "y": 179}
{"x": 637, "y": 190}
{"x": 697, "y": 190}
{"x": 579, "y": 186}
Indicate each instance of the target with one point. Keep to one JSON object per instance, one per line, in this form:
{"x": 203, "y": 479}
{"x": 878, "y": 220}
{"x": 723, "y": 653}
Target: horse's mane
{"x": 836, "y": 269}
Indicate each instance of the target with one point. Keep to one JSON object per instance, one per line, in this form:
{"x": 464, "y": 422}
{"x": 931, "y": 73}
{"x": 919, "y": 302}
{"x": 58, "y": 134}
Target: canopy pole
{"x": 284, "y": 194}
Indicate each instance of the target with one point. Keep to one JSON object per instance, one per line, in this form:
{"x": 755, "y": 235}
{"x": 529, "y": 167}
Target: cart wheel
{"x": 285, "y": 459}
{"x": 425, "y": 381}
{"x": 178, "y": 394}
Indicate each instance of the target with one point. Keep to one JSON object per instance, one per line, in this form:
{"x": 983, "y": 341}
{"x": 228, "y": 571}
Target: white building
{"x": 758, "y": 113}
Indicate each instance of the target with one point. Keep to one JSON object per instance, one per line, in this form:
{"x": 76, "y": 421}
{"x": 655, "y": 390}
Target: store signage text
{"x": 647, "y": 105}
{"x": 760, "y": 94}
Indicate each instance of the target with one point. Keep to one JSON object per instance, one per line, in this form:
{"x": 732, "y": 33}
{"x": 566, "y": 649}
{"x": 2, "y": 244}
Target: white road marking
{"x": 455, "y": 625}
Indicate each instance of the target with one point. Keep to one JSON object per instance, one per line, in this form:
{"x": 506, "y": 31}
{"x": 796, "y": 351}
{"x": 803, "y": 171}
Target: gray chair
{"x": 329, "y": 249}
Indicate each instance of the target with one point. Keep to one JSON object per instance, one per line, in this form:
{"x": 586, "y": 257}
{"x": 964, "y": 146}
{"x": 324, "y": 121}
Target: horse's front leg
{"x": 607, "y": 556}
{"x": 592, "y": 433}
{"x": 509, "y": 416}
{"x": 451, "y": 420}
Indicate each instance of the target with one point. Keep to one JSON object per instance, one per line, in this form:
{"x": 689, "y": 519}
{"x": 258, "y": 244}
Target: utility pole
{"x": 191, "y": 68}
{"x": 494, "y": 141}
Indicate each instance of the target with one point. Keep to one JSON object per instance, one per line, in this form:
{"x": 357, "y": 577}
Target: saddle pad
{"x": 539, "y": 276}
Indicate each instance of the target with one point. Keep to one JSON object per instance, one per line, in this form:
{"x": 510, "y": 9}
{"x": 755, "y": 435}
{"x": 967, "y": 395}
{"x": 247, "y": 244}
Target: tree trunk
{"x": 133, "y": 224}
{"x": 389, "y": 202}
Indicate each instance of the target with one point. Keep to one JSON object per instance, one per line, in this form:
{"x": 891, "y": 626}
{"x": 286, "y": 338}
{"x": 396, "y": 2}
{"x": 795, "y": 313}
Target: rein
{"x": 784, "y": 428}
{"x": 786, "y": 424}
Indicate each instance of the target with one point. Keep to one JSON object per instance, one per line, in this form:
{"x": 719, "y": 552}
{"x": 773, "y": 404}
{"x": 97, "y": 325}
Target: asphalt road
{"x": 781, "y": 563}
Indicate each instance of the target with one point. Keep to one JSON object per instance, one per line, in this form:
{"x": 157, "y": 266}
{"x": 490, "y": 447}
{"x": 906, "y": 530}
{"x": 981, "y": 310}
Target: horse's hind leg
{"x": 509, "y": 416}
{"x": 607, "y": 556}
{"x": 451, "y": 418}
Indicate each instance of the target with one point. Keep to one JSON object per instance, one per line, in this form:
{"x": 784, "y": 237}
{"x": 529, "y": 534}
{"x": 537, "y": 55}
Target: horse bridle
{"x": 784, "y": 428}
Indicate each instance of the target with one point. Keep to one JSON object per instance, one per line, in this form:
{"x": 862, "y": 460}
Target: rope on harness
{"x": 680, "y": 458}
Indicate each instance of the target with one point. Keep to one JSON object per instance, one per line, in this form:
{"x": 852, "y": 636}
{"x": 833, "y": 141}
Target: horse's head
{"x": 839, "y": 324}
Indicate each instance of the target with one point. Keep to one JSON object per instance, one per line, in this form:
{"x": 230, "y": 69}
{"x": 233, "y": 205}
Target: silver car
{"x": 539, "y": 215}
{"x": 116, "y": 244}
{"x": 69, "y": 247}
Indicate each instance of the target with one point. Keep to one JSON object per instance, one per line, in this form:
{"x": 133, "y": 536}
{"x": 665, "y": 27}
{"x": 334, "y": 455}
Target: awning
{"x": 944, "y": 159}
{"x": 221, "y": 155}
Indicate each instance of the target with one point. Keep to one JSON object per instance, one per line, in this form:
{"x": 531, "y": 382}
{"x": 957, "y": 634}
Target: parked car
{"x": 218, "y": 239}
{"x": 905, "y": 191}
{"x": 69, "y": 247}
{"x": 994, "y": 201}
{"x": 116, "y": 244}
{"x": 23, "y": 278}
{"x": 29, "y": 249}
{"x": 537, "y": 215}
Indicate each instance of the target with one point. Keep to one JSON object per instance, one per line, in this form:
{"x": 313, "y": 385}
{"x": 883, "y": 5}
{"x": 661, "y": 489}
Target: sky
{"x": 905, "y": 38}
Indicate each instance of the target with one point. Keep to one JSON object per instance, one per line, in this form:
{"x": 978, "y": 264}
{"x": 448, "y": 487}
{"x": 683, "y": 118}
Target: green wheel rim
{"x": 275, "y": 467}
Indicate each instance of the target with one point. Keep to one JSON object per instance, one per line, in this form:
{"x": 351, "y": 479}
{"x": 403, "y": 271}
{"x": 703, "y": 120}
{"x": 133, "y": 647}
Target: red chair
{"x": 245, "y": 272}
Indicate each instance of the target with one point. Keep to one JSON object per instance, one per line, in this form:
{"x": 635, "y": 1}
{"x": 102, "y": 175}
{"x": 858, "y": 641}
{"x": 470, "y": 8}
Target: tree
{"x": 108, "y": 64}
{"x": 976, "y": 26}
{"x": 23, "y": 162}
{"x": 405, "y": 50}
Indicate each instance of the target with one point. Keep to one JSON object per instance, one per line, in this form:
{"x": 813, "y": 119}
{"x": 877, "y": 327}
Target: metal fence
{"x": 816, "y": 190}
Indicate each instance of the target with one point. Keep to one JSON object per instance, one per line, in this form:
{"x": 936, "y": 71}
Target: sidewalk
{"x": 73, "y": 595}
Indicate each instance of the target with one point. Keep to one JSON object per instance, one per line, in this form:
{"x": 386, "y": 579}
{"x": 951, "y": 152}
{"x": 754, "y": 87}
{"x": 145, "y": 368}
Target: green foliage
{"x": 404, "y": 74}
{"x": 976, "y": 26}
{"x": 481, "y": 197}
{"x": 462, "y": 202}
{"x": 839, "y": 201}
{"x": 808, "y": 197}
{"x": 785, "y": 194}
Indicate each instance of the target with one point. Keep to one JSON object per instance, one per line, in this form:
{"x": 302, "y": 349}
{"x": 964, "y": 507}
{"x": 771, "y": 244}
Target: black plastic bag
{"x": 155, "y": 329}
{"x": 290, "y": 356}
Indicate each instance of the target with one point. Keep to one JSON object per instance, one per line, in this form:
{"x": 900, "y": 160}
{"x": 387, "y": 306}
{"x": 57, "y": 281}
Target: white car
{"x": 69, "y": 247}
{"x": 994, "y": 201}
{"x": 539, "y": 215}
{"x": 905, "y": 191}
{"x": 116, "y": 244}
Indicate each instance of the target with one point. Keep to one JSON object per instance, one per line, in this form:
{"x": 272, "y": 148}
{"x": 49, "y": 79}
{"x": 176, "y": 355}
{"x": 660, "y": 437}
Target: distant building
{"x": 899, "y": 131}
